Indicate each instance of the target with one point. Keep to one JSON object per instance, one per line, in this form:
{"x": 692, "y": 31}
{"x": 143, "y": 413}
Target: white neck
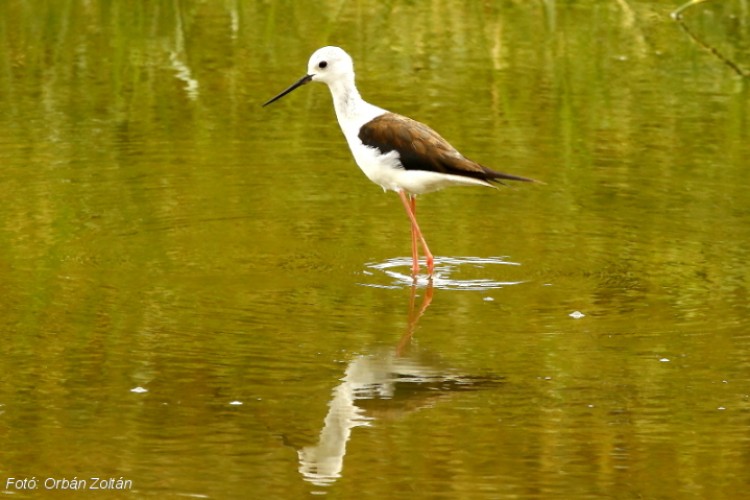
{"x": 351, "y": 110}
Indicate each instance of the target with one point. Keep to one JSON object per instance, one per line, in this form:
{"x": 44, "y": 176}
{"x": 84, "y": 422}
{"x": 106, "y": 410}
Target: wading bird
{"x": 395, "y": 152}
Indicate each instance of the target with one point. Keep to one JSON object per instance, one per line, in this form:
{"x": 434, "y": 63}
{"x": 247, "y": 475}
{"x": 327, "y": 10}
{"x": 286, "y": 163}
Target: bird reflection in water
{"x": 381, "y": 385}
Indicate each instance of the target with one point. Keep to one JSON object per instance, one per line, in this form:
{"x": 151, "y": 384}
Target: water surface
{"x": 208, "y": 298}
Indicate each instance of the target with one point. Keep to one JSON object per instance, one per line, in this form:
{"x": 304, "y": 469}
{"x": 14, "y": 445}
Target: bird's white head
{"x": 329, "y": 64}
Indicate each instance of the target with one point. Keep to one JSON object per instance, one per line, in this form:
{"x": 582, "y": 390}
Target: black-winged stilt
{"x": 395, "y": 152}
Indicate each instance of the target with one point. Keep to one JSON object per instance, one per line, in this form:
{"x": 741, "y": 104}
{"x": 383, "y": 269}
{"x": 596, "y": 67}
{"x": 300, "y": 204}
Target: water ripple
{"x": 451, "y": 273}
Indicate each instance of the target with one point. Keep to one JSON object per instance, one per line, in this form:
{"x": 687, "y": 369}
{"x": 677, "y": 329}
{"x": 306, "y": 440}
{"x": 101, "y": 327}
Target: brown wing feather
{"x": 421, "y": 148}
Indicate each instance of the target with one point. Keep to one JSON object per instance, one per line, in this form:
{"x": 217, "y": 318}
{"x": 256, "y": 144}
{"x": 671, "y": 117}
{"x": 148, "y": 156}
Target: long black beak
{"x": 305, "y": 79}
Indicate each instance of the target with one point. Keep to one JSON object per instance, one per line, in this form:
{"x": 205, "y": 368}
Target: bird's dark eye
{"x": 322, "y": 64}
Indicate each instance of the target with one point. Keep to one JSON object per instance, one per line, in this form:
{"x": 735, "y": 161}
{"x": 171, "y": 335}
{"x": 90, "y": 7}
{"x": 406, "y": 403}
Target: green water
{"x": 208, "y": 299}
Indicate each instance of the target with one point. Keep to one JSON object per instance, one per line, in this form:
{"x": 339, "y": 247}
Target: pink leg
{"x": 414, "y": 249}
{"x": 416, "y": 231}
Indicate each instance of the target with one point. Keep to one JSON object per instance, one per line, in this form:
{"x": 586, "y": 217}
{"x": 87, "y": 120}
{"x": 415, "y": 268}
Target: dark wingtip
{"x": 499, "y": 177}
{"x": 533, "y": 181}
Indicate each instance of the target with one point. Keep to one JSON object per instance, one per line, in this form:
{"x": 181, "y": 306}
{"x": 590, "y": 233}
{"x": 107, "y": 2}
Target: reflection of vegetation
{"x": 596, "y": 98}
{"x": 677, "y": 16}
{"x": 145, "y": 216}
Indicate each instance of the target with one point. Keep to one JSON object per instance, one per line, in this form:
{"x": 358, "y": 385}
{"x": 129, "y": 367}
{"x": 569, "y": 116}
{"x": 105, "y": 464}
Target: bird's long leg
{"x": 420, "y": 236}
{"x": 414, "y": 249}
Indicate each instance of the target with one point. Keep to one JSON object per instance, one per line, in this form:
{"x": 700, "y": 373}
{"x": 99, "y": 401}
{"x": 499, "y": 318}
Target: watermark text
{"x": 66, "y": 483}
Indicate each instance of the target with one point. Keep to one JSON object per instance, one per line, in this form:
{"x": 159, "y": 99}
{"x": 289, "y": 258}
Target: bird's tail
{"x": 499, "y": 177}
